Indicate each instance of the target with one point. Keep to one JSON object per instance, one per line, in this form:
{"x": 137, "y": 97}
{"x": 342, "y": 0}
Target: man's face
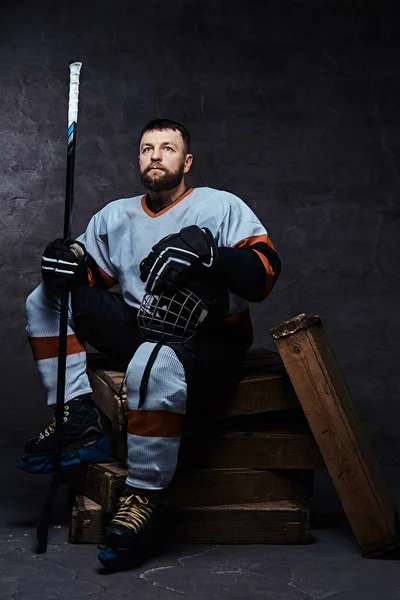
{"x": 163, "y": 160}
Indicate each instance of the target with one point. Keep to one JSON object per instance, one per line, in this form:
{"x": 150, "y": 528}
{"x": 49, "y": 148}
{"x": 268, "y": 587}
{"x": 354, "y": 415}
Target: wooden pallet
{"x": 281, "y": 522}
{"x": 327, "y": 404}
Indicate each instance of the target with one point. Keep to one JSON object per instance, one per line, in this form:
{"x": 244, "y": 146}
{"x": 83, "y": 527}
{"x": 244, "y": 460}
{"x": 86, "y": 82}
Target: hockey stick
{"x": 45, "y": 515}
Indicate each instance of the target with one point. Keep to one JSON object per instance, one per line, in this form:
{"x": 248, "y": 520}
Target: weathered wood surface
{"x": 104, "y": 484}
{"x": 107, "y": 399}
{"x": 87, "y": 522}
{"x": 264, "y": 387}
{"x": 213, "y": 487}
{"x": 282, "y": 522}
{"x": 277, "y": 448}
{"x": 326, "y": 401}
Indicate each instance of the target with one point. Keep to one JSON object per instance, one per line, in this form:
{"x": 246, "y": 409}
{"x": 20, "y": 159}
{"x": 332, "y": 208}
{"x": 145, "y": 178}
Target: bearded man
{"x": 158, "y": 245}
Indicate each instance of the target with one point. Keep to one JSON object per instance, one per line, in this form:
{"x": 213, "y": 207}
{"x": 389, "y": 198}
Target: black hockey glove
{"x": 177, "y": 258}
{"x": 64, "y": 264}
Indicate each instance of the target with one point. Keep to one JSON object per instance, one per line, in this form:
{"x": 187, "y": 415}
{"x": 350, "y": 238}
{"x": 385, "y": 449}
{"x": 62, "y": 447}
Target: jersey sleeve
{"x": 95, "y": 240}
{"x": 241, "y": 229}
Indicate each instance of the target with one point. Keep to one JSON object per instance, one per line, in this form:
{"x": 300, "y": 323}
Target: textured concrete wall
{"x": 292, "y": 105}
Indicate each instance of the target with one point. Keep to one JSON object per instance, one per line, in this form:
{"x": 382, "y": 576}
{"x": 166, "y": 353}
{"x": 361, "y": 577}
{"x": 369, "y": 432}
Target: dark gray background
{"x": 294, "y": 106}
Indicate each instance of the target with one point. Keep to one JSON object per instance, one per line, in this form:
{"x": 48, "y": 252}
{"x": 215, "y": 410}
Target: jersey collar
{"x": 164, "y": 210}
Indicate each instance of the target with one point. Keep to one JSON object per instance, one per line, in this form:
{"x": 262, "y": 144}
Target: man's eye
{"x": 168, "y": 148}
{"x": 145, "y": 149}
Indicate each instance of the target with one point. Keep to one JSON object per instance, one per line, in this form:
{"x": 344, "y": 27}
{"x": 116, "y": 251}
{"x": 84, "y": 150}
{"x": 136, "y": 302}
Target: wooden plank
{"x": 323, "y": 393}
{"x": 213, "y": 487}
{"x": 87, "y": 522}
{"x": 281, "y": 522}
{"x": 276, "y": 449}
{"x": 261, "y": 393}
{"x": 104, "y": 483}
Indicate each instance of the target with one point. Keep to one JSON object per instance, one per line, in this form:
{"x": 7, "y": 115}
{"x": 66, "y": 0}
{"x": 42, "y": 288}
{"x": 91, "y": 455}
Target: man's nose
{"x": 156, "y": 155}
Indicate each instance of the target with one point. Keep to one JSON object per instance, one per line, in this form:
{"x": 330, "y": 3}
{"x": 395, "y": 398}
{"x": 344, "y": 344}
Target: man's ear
{"x": 188, "y": 162}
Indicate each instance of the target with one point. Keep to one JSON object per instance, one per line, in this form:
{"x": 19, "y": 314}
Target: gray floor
{"x": 329, "y": 567}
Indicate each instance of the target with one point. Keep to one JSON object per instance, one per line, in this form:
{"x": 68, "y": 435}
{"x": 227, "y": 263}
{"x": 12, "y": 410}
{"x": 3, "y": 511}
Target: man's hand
{"x": 64, "y": 264}
{"x": 177, "y": 258}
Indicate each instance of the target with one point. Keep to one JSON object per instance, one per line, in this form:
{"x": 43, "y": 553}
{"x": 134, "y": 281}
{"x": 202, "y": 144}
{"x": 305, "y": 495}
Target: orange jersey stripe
{"x": 47, "y": 347}
{"x": 154, "y": 423}
{"x": 91, "y": 279}
{"x": 268, "y": 269}
{"x": 108, "y": 280}
{"x": 164, "y": 210}
{"x": 248, "y": 242}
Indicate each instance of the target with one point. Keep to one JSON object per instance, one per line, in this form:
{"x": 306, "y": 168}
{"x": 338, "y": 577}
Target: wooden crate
{"x": 104, "y": 484}
{"x": 281, "y": 522}
{"x": 240, "y": 475}
{"x": 327, "y": 404}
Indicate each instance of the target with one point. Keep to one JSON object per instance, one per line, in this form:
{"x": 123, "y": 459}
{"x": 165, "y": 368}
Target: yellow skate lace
{"x": 134, "y": 511}
{"x": 52, "y": 425}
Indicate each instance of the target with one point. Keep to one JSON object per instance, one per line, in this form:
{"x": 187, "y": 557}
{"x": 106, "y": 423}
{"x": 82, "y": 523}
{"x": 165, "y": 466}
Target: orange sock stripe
{"x": 47, "y": 347}
{"x": 154, "y": 423}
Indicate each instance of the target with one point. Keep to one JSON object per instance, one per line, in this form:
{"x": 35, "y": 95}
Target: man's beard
{"x": 162, "y": 183}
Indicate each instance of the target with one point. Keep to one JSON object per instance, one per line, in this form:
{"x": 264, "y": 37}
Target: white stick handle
{"x": 74, "y": 73}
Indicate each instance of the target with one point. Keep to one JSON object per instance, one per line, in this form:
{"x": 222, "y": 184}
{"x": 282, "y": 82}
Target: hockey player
{"x": 156, "y": 244}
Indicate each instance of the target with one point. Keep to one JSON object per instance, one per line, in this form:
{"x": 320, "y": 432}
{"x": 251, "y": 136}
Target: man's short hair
{"x": 161, "y": 124}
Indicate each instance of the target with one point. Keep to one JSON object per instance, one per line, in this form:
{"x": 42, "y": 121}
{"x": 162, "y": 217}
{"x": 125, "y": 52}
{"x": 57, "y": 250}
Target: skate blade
{"x": 70, "y": 459}
{"x": 119, "y": 560}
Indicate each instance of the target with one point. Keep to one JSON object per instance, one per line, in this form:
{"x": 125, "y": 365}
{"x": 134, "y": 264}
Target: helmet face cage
{"x": 171, "y": 318}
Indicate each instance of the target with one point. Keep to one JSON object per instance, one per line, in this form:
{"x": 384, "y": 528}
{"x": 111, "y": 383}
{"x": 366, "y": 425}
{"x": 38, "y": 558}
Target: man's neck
{"x": 160, "y": 200}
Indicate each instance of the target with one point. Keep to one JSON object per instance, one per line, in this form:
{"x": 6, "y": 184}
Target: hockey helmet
{"x": 175, "y": 317}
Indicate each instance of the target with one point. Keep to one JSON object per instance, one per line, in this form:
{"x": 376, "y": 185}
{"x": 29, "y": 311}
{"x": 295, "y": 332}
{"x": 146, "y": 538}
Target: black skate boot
{"x": 84, "y": 440}
{"x": 131, "y": 535}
